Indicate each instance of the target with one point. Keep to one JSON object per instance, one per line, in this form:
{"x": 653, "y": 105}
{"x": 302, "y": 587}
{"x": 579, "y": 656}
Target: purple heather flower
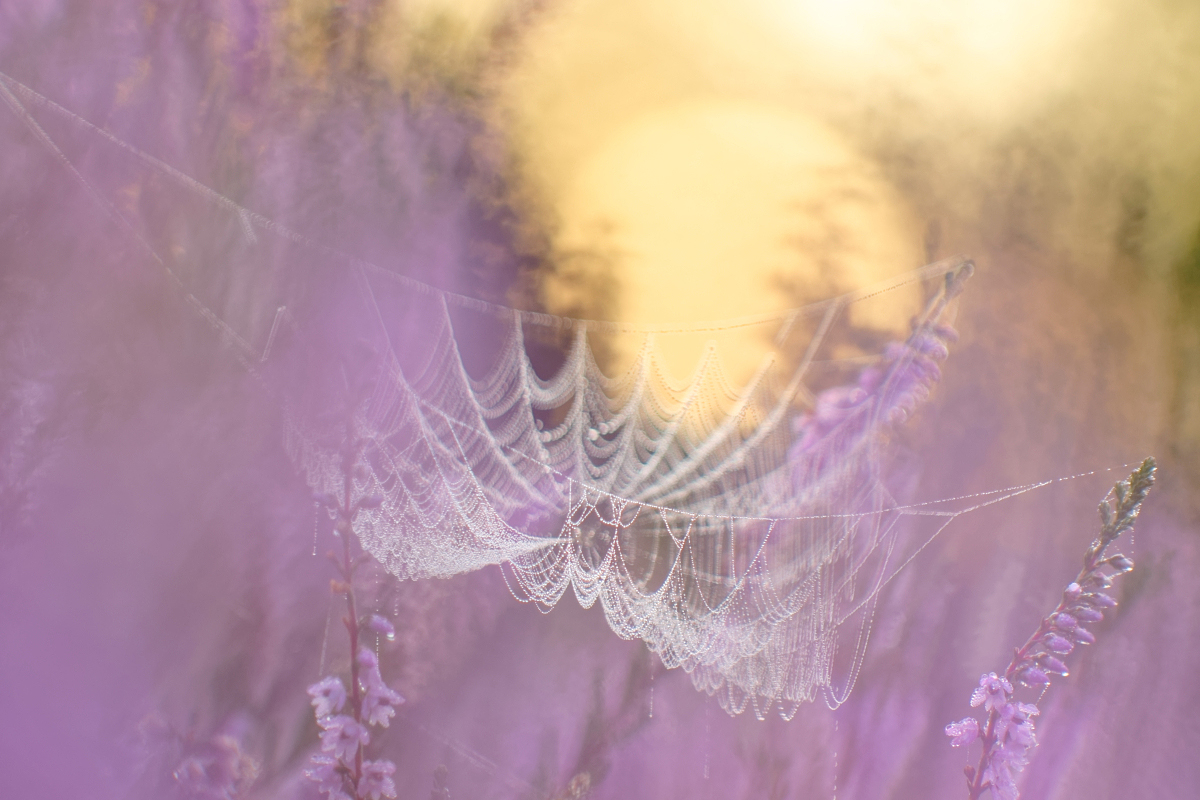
{"x": 1015, "y": 737}
{"x": 992, "y": 693}
{"x": 930, "y": 346}
{"x": 898, "y": 385}
{"x": 323, "y": 771}
{"x": 833, "y": 405}
{"x": 376, "y": 781}
{"x": 1001, "y": 773}
{"x": 328, "y": 696}
{"x": 1085, "y": 614}
{"x": 379, "y": 704}
{"x": 1015, "y": 724}
{"x": 965, "y": 731}
{"x": 1028, "y": 710}
{"x": 380, "y": 701}
{"x": 1020, "y": 735}
{"x": 343, "y": 736}
{"x": 1073, "y": 590}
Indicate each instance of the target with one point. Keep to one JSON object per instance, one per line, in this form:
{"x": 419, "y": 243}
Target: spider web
{"x": 743, "y": 534}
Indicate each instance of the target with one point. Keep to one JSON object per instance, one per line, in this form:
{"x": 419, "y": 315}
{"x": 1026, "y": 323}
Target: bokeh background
{"x": 643, "y": 161}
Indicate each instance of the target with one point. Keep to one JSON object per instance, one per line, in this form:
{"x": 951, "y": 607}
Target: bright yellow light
{"x": 715, "y": 208}
{"x": 993, "y": 57}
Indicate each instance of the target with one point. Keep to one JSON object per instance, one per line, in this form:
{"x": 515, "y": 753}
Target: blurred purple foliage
{"x": 161, "y": 612}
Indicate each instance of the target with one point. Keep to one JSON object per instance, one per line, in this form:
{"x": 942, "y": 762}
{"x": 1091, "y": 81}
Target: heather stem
{"x": 978, "y": 786}
{"x": 351, "y": 622}
{"x": 345, "y": 530}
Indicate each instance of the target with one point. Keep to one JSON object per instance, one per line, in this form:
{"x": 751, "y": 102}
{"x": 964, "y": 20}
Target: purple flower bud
{"x": 1106, "y": 513}
{"x": 946, "y": 333}
{"x": 1096, "y": 580}
{"x": 1072, "y": 591}
{"x": 373, "y": 501}
{"x": 1099, "y": 600}
{"x": 382, "y": 626}
{"x": 1064, "y": 622}
{"x": 1083, "y": 636}
{"x": 1057, "y": 644}
{"x": 1033, "y": 677}
{"x": 1052, "y": 664}
{"x": 1086, "y": 614}
{"x": 1121, "y": 563}
{"x": 367, "y": 660}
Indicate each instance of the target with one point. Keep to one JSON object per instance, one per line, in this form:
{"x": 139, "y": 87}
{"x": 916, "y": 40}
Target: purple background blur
{"x": 156, "y": 568}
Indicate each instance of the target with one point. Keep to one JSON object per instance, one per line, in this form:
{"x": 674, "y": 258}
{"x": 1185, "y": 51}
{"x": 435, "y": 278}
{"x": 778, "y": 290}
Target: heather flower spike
{"x": 340, "y": 771}
{"x": 1008, "y": 734}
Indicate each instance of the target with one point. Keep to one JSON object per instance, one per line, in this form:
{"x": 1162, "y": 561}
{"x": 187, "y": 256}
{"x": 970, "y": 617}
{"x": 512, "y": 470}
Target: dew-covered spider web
{"x": 741, "y": 533}
{"x": 743, "y": 528}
